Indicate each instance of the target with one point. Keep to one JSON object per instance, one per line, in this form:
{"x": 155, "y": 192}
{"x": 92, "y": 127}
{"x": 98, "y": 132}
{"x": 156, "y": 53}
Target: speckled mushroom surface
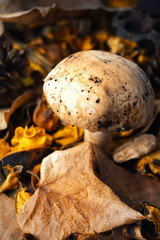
{"x": 99, "y": 91}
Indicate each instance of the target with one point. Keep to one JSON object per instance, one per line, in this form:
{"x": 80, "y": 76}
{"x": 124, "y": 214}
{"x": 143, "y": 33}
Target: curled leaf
{"x": 154, "y": 216}
{"x": 35, "y": 176}
{"x": 27, "y": 158}
{"x": 4, "y": 148}
{"x": 21, "y": 198}
{"x": 70, "y": 198}
{"x": 67, "y": 135}
{"x": 152, "y": 160}
{"x": 135, "y": 148}
{"x": 5, "y": 114}
{"x": 39, "y": 12}
{"x": 12, "y": 180}
{"x": 33, "y": 137}
{"x": 45, "y": 118}
{"x": 133, "y": 232}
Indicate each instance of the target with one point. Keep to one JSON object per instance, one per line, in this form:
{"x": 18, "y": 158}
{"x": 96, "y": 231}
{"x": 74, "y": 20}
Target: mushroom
{"x": 100, "y": 92}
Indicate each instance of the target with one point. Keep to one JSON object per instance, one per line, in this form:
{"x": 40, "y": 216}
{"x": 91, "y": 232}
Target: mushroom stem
{"x": 102, "y": 140}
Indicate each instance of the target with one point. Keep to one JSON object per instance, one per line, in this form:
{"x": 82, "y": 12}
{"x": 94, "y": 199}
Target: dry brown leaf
{"x": 45, "y": 118}
{"x": 27, "y": 158}
{"x": 5, "y": 114}
{"x": 39, "y": 11}
{"x": 135, "y": 148}
{"x": 9, "y": 228}
{"x": 132, "y": 188}
{"x": 133, "y": 232}
{"x": 70, "y": 198}
{"x": 1, "y": 28}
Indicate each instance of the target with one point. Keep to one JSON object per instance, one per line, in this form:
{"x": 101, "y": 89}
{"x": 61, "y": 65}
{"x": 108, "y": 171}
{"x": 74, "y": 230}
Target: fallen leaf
{"x": 68, "y": 134}
{"x": 35, "y": 176}
{"x": 9, "y": 228}
{"x": 133, "y": 232}
{"x": 45, "y": 118}
{"x": 39, "y": 12}
{"x": 152, "y": 160}
{"x": 4, "y": 148}
{"x": 135, "y": 148}
{"x": 1, "y": 28}
{"x": 132, "y": 188}
{"x": 154, "y": 216}
{"x": 21, "y": 197}
{"x": 115, "y": 234}
{"x": 5, "y": 114}
{"x": 70, "y": 198}
{"x": 29, "y": 138}
{"x": 27, "y": 158}
{"x": 12, "y": 180}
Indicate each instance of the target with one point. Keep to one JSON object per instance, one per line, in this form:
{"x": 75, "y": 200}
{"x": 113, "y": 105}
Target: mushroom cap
{"x": 99, "y": 91}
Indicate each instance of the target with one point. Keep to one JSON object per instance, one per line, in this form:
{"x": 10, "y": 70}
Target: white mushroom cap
{"x": 99, "y": 91}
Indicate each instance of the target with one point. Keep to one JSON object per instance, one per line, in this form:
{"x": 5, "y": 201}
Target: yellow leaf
{"x": 67, "y": 135}
{"x": 12, "y": 180}
{"x": 27, "y": 138}
{"x": 87, "y": 43}
{"x": 4, "y": 148}
{"x": 150, "y": 159}
{"x": 154, "y": 216}
{"x": 122, "y": 3}
{"x": 123, "y": 134}
{"x": 34, "y": 179}
{"x": 21, "y": 198}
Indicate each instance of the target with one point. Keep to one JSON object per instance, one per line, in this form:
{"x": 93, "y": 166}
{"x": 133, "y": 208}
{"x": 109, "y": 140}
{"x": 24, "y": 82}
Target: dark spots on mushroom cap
{"x": 82, "y": 90}
{"x": 107, "y": 60}
{"x": 98, "y": 100}
{"x": 50, "y": 78}
{"x": 60, "y": 101}
{"x": 55, "y": 80}
{"x": 123, "y": 87}
{"x": 99, "y": 124}
{"x": 87, "y": 98}
{"x": 69, "y": 113}
{"x": 70, "y": 56}
{"x": 95, "y": 79}
{"x": 105, "y": 124}
{"x": 91, "y": 79}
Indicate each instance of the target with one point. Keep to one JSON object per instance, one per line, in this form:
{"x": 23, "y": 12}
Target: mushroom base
{"x": 102, "y": 140}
